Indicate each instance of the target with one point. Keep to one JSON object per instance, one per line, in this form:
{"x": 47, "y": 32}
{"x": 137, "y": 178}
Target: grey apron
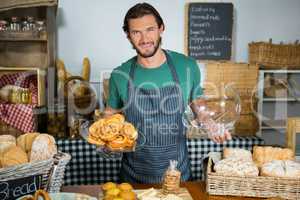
{"x": 157, "y": 114}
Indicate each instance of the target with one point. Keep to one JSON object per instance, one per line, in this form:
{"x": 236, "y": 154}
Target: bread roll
{"x": 237, "y": 153}
{"x": 281, "y": 168}
{"x": 25, "y": 141}
{"x": 236, "y": 167}
{"x": 7, "y": 138}
{"x": 262, "y": 155}
{"x": 14, "y": 156}
{"x": 43, "y": 148}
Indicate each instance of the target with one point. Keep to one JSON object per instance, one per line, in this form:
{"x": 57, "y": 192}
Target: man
{"x": 152, "y": 90}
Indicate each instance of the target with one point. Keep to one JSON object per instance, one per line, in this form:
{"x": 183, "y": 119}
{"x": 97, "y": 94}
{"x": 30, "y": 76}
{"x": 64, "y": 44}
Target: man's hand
{"x": 221, "y": 138}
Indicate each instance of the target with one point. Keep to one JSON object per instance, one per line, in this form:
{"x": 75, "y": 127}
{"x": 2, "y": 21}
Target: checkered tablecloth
{"x": 87, "y": 167}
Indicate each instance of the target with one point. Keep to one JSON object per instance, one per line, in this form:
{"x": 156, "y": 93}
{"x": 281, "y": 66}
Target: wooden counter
{"x": 196, "y": 189}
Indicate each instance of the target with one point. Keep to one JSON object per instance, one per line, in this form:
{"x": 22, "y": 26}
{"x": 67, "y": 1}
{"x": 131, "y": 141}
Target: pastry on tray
{"x": 114, "y": 133}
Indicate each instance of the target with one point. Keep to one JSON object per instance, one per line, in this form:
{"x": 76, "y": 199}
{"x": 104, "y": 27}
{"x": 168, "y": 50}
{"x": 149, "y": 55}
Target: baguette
{"x": 86, "y": 69}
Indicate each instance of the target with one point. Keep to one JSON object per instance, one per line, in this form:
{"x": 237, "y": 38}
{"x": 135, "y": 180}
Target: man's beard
{"x": 150, "y": 54}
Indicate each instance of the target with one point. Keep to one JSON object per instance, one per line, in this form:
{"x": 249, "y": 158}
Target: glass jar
{"x": 25, "y": 25}
{"x": 40, "y": 25}
{"x": 15, "y": 24}
{"x": 3, "y": 25}
{"x": 31, "y": 23}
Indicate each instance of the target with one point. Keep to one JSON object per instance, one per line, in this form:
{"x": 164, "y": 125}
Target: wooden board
{"x": 183, "y": 193}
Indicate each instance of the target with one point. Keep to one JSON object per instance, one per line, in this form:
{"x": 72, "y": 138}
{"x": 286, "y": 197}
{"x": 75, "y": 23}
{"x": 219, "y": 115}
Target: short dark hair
{"x": 140, "y": 10}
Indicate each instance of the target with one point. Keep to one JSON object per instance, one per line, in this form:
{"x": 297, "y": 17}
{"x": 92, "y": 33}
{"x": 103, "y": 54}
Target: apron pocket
{"x": 152, "y": 160}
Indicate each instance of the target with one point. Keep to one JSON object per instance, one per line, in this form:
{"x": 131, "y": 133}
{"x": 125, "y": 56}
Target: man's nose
{"x": 144, "y": 36}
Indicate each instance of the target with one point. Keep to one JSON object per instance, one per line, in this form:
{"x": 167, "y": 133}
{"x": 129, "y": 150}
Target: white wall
{"x": 93, "y": 28}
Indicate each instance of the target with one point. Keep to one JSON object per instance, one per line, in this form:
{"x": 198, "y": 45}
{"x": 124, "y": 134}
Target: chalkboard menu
{"x": 12, "y": 189}
{"x": 210, "y": 30}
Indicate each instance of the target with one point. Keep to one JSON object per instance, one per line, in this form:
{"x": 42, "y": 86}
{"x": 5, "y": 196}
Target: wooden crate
{"x": 41, "y": 75}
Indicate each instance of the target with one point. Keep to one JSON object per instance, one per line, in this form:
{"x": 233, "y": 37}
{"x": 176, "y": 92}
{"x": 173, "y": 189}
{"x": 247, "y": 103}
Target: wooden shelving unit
{"x": 31, "y": 50}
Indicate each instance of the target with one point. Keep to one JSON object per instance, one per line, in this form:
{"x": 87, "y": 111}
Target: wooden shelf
{"x": 273, "y": 124}
{"x": 23, "y": 36}
{"x": 279, "y": 99}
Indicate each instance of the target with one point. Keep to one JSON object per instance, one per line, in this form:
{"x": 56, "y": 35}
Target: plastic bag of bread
{"x": 237, "y": 153}
{"x": 171, "y": 179}
{"x": 113, "y": 133}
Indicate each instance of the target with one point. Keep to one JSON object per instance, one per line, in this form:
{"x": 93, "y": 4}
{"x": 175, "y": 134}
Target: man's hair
{"x": 140, "y": 10}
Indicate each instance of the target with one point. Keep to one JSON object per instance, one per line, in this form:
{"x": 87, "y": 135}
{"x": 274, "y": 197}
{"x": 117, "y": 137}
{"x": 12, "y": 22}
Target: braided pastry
{"x": 120, "y": 141}
{"x": 113, "y": 132}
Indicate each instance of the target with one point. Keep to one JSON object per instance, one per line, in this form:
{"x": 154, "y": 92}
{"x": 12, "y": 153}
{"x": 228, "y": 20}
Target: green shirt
{"x": 187, "y": 70}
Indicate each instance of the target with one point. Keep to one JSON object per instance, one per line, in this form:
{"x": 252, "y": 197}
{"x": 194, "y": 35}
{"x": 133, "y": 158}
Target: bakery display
{"x": 281, "y": 168}
{"x": 237, "y": 153}
{"x": 114, "y": 133}
{"x": 29, "y": 147}
{"x": 236, "y": 167}
{"x": 265, "y": 154}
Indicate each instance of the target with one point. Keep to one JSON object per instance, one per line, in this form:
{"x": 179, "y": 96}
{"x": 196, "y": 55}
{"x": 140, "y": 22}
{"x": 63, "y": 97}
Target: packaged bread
{"x": 265, "y": 154}
{"x": 236, "y": 167}
{"x": 237, "y": 153}
{"x": 43, "y": 148}
{"x": 14, "y": 156}
{"x": 281, "y": 168}
{"x": 113, "y": 133}
{"x": 171, "y": 179}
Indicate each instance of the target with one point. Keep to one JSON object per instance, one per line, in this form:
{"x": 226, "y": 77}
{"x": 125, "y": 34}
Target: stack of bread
{"x": 29, "y": 147}
{"x": 265, "y": 161}
{"x": 113, "y": 191}
{"x": 114, "y": 133}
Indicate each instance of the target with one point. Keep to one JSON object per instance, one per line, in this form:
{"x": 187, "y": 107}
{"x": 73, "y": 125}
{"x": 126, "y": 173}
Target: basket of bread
{"x": 30, "y": 157}
{"x": 112, "y": 134}
{"x": 268, "y": 172}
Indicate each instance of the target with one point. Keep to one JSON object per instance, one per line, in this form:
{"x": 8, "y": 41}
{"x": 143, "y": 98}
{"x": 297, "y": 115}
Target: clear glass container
{"x": 3, "y": 25}
{"x": 40, "y": 25}
{"x": 15, "y": 24}
{"x": 31, "y": 23}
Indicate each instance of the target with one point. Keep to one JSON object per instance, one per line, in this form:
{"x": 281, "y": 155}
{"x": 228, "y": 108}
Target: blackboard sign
{"x": 210, "y": 30}
{"x": 12, "y": 189}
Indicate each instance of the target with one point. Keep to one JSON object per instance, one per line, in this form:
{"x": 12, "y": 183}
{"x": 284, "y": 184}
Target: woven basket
{"x": 52, "y": 171}
{"x": 273, "y": 56}
{"x": 286, "y": 188}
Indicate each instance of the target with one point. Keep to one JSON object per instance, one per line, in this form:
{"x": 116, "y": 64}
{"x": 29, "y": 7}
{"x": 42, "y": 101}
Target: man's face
{"x": 144, "y": 35}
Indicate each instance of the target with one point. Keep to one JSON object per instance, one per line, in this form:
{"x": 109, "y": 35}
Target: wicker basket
{"x": 52, "y": 171}
{"x": 275, "y": 55}
{"x": 286, "y": 188}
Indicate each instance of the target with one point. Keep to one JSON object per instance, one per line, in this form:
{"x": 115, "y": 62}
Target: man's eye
{"x": 134, "y": 32}
{"x": 151, "y": 29}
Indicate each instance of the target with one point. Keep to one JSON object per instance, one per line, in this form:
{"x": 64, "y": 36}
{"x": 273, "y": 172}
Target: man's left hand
{"x": 221, "y": 138}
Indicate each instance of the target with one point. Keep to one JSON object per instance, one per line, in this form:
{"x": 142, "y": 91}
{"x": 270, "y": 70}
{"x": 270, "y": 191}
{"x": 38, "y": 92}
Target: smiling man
{"x": 152, "y": 89}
